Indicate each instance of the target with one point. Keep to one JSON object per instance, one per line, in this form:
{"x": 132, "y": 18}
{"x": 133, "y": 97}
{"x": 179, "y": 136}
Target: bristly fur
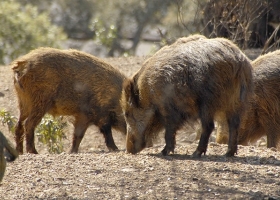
{"x": 262, "y": 116}
{"x": 194, "y": 78}
{"x": 67, "y": 82}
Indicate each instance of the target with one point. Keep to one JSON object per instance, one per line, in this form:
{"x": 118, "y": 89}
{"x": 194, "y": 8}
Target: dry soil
{"x": 95, "y": 173}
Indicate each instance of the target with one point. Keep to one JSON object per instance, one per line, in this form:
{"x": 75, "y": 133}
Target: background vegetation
{"x": 119, "y": 26}
{"x": 23, "y": 29}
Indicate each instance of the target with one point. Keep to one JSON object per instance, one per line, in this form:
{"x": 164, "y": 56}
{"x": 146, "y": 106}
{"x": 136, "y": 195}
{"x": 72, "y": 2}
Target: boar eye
{"x": 126, "y": 114}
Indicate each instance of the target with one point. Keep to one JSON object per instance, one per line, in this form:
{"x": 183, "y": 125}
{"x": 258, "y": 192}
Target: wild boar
{"x": 262, "y": 116}
{"x": 7, "y": 152}
{"x": 194, "y": 78}
{"x": 71, "y": 83}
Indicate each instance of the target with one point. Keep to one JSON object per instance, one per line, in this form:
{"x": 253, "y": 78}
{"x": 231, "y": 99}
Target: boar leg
{"x": 170, "y": 140}
{"x": 30, "y": 124}
{"x": 272, "y": 139}
{"x": 233, "y": 123}
{"x": 19, "y": 130}
{"x": 81, "y": 125}
{"x": 106, "y": 130}
{"x": 207, "y": 128}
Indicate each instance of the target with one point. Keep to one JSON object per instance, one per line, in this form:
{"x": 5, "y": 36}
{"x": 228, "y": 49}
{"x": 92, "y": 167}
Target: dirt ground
{"x": 95, "y": 173}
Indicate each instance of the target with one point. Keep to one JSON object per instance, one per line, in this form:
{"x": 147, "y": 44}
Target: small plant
{"x": 7, "y": 119}
{"x": 50, "y": 132}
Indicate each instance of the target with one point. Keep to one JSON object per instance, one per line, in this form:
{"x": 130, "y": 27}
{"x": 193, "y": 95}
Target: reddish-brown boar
{"x": 71, "y": 83}
{"x": 262, "y": 116}
{"x": 194, "y": 78}
{"x": 7, "y": 152}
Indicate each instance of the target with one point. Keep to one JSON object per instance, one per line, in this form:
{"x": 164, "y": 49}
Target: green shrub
{"x": 7, "y": 119}
{"x": 24, "y": 29}
{"x": 50, "y": 131}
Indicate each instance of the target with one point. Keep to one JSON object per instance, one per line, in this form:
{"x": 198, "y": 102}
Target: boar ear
{"x": 131, "y": 92}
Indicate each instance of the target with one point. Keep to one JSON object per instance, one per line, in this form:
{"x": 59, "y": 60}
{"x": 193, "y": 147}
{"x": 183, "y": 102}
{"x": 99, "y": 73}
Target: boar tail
{"x": 19, "y": 68}
{"x": 246, "y": 77}
{"x": 246, "y": 91}
{"x": 243, "y": 92}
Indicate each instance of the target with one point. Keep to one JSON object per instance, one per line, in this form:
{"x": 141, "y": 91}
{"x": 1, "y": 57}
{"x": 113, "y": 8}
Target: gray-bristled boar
{"x": 7, "y": 152}
{"x": 67, "y": 82}
{"x": 262, "y": 116}
{"x": 194, "y": 78}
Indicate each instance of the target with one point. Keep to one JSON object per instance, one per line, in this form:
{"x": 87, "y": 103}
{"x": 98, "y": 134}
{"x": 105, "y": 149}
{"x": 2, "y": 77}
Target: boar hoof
{"x": 166, "y": 151}
{"x": 34, "y": 151}
{"x": 73, "y": 151}
{"x": 20, "y": 150}
{"x": 111, "y": 146}
{"x": 196, "y": 154}
{"x": 113, "y": 149}
{"x": 199, "y": 151}
{"x": 231, "y": 151}
{"x": 229, "y": 154}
